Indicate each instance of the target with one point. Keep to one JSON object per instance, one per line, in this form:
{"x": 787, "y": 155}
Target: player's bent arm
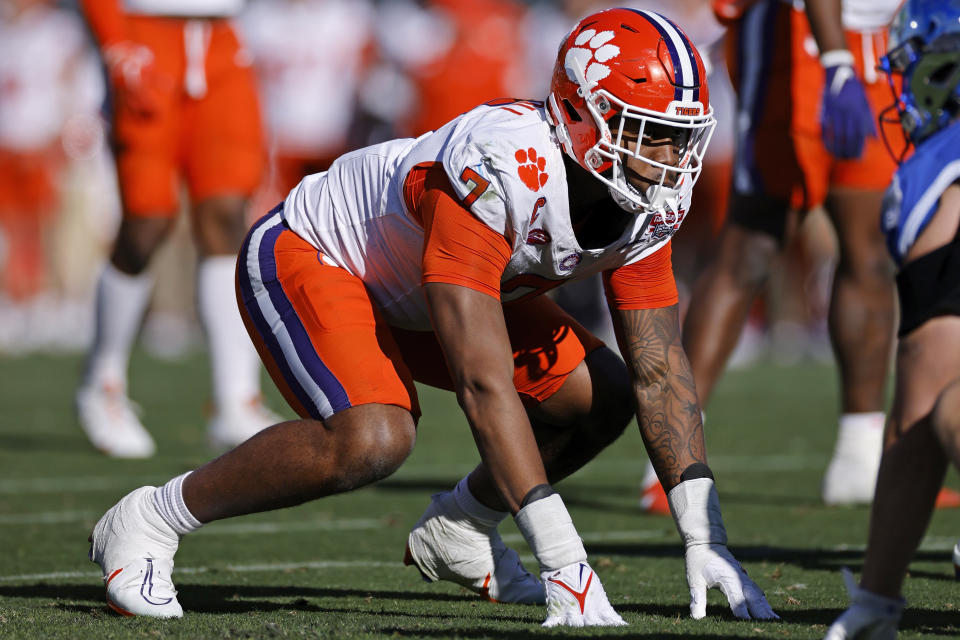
{"x": 668, "y": 413}
{"x": 471, "y": 329}
{"x": 668, "y": 410}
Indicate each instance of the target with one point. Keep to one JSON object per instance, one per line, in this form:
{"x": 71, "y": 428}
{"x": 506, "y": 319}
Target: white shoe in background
{"x": 851, "y": 475}
{"x": 231, "y": 426}
{"x": 108, "y": 418}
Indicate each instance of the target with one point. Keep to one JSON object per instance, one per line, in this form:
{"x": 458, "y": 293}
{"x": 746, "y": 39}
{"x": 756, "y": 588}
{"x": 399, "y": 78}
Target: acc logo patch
{"x": 531, "y": 169}
{"x": 570, "y": 262}
{"x": 664, "y": 225}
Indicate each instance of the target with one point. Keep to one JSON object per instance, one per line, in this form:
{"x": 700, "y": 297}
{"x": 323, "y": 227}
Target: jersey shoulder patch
{"x": 498, "y": 157}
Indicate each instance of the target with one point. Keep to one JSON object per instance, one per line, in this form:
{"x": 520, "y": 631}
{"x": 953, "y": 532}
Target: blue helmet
{"x": 925, "y": 50}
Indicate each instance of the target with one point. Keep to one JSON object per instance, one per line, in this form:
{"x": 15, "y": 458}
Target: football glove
{"x": 712, "y": 565}
{"x": 869, "y": 616}
{"x": 695, "y": 507}
{"x": 575, "y": 598}
{"x": 846, "y": 118}
{"x": 133, "y": 76}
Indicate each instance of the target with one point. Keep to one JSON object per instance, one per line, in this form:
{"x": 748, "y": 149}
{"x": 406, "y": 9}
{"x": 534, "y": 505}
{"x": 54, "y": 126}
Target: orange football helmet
{"x": 626, "y": 69}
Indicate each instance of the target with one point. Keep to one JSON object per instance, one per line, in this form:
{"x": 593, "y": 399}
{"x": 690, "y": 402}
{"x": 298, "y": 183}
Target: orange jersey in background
{"x": 204, "y": 127}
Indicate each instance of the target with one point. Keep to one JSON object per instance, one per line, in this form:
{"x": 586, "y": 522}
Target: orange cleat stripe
{"x": 112, "y": 576}
{"x": 120, "y": 610}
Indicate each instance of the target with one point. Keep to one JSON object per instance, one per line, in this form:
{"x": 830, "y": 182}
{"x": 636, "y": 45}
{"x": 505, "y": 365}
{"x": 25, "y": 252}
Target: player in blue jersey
{"x": 921, "y": 219}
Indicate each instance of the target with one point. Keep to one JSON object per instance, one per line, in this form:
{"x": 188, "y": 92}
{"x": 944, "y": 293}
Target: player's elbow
{"x": 480, "y": 391}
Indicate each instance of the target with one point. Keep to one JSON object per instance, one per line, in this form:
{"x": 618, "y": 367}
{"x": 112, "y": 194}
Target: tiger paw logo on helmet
{"x": 531, "y": 169}
{"x": 591, "y": 59}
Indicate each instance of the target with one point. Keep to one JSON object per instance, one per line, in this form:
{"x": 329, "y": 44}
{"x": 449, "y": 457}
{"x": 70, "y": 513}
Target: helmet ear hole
{"x": 571, "y": 112}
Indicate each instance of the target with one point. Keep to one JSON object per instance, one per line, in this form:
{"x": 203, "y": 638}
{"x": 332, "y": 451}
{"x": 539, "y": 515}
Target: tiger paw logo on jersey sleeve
{"x": 531, "y": 169}
{"x": 590, "y": 60}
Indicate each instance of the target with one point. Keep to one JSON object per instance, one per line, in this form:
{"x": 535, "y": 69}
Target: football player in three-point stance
{"x": 921, "y": 218}
{"x": 424, "y": 259}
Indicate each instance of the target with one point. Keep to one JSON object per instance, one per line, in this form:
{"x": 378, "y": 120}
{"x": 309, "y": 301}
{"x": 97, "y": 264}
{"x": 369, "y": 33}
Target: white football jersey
{"x": 302, "y": 50}
{"x": 507, "y": 167}
{"x": 42, "y": 56}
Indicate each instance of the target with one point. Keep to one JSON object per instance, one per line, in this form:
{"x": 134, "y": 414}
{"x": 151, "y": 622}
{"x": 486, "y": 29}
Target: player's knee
{"x": 615, "y": 404}
{"x": 137, "y": 241}
{"x": 219, "y": 224}
{"x": 747, "y": 254}
{"x": 874, "y": 269}
{"x": 378, "y": 448}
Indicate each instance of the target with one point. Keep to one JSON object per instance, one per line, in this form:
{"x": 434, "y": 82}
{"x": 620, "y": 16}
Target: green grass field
{"x": 332, "y": 568}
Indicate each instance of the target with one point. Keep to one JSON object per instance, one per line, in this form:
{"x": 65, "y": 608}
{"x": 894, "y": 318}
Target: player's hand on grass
{"x": 712, "y": 565}
{"x": 695, "y": 507}
{"x": 869, "y": 616}
{"x": 575, "y": 598}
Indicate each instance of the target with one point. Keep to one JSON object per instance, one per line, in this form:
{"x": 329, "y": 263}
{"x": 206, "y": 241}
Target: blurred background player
{"x": 425, "y": 259}
{"x": 185, "y": 109}
{"x": 311, "y": 59}
{"x": 49, "y": 96}
{"x": 921, "y": 218}
{"x": 806, "y": 135}
{"x": 454, "y": 55}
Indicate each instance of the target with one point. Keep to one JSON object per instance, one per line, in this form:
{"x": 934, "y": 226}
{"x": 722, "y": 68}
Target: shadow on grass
{"x": 209, "y": 598}
{"x": 807, "y": 558}
{"x": 239, "y": 599}
{"x": 42, "y": 443}
{"x": 927, "y": 621}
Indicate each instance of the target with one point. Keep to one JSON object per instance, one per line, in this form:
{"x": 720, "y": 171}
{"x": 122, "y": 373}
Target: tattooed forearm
{"x": 668, "y": 411}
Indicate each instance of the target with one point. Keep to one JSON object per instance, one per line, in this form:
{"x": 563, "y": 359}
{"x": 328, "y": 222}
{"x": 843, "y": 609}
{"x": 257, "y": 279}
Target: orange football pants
{"x": 775, "y": 68}
{"x": 328, "y": 347}
{"x": 206, "y": 131}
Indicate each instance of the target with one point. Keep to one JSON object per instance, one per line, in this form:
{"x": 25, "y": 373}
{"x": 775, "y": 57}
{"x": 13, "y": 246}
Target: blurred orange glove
{"x": 134, "y": 77}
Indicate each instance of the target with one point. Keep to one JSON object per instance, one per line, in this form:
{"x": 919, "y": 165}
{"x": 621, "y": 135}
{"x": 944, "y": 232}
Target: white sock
{"x": 120, "y": 302}
{"x": 482, "y": 516}
{"x": 234, "y": 363}
{"x": 168, "y": 500}
{"x": 649, "y": 476}
{"x": 549, "y": 530}
{"x": 857, "y": 430}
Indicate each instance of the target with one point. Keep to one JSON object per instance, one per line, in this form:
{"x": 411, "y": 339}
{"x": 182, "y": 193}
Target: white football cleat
{"x": 108, "y": 418}
{"x": 575, "y": 598}
{"x": 446, "y": 545}
{"x": 233, "y": 425}
{"x": 134, "y": 547}
{"x": 851, "y": 475}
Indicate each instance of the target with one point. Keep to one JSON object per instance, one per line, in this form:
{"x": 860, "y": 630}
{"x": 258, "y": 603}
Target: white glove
{"x": 712, "y": 565}
{"x": 695, "y": 507}
{"x": 575, "y": 598}
{"x": 869, "y": 616}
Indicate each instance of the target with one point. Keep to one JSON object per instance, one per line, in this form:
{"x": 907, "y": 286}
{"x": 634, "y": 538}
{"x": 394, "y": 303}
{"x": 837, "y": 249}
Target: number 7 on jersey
{"x": 470, "y": 177}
